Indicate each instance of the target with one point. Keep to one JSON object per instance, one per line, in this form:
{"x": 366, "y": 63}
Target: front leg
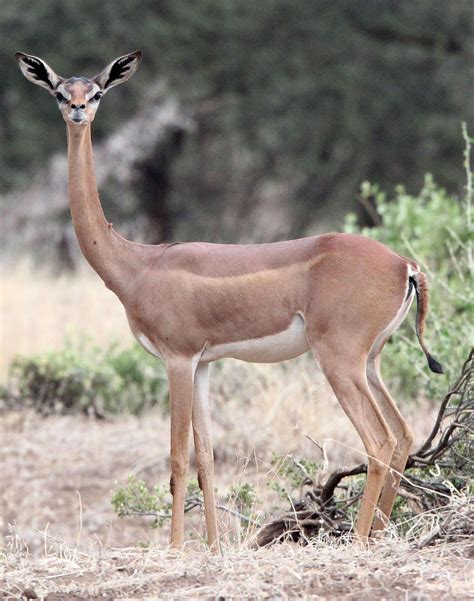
{"x": 204, "y": 452}
{"x": 180, "y": 379}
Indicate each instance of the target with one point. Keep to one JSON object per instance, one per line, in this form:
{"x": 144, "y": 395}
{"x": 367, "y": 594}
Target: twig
{"x": 429, "y": 538}
{"x": 243, "y": 517}
{"x": 308, "y": 478}
{"x": 79, "y": 530}
{"x": 322, "y": 448}
{"x": 465, "y": 374}
{"x": 469, "y": 192}
{"x": 328, "y": 489}
{"x": 191, "y": 503}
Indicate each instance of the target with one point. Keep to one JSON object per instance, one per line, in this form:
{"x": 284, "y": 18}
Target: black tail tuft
{"x": 434, "y": 364}
{"x": 420, "y": 283}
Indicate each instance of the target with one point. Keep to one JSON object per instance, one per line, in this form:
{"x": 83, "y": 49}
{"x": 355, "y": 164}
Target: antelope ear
{"x": 118, "y": 71}
{"x": 37, "y": 71}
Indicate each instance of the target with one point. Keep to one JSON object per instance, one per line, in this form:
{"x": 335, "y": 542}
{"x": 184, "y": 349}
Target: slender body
{"x": 338, "y": 295}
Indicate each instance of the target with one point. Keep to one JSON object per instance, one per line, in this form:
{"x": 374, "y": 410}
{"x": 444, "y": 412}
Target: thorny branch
{"x": 449, "y": 447}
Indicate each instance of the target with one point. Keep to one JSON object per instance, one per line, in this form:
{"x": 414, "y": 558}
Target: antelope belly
{"x": 286, "y": 344}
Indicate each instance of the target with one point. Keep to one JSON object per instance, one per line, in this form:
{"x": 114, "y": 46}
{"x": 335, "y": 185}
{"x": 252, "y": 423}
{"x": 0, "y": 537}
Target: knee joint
{"x": 408, "y": 437}
{"x": 178, "y": 473}
{"x": 379, "y": 461}
{"x": 179, "y": 469}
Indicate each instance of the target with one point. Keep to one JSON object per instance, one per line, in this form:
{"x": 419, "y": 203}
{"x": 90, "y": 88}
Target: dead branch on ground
{"x": 441, "y": 467}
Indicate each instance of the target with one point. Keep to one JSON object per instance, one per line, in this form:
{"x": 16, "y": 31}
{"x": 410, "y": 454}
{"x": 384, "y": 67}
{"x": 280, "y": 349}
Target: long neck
{"x": 107, "y": 253}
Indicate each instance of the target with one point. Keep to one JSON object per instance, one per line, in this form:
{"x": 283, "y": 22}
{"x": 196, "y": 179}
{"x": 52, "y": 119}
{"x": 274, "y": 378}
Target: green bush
{"x": 136, "y": 499}
{"x": 436, "y": 230}
{"x": 83, "y": 377}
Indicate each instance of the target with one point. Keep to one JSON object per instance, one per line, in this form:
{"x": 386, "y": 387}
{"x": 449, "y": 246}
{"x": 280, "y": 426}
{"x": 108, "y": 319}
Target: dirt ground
{"x": 61, "y": 539}
{"x": 390, "y": 570}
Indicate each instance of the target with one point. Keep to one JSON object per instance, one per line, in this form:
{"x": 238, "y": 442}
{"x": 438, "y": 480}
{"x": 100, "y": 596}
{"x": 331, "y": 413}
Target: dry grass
{"x": 38, "y": 310}
{"x": 390, "y": 570}
{"x": 61, "y": 536}
{"x": 56, "y": 467}
{"x": 62, "y": 539}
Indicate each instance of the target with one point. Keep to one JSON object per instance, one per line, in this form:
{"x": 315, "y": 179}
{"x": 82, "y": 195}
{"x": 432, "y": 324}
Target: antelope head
{"x": 78, "y": 98}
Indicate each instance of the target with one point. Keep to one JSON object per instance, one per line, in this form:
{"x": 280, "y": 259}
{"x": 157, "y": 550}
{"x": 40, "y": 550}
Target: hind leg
{"x": 403, "y": 434}
{"x": 345, "y": 368}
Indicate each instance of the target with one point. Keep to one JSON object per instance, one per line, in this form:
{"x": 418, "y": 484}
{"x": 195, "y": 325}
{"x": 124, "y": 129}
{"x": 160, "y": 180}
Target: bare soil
{"x": 389, "y": 570}
{"x": 61, "y": 539}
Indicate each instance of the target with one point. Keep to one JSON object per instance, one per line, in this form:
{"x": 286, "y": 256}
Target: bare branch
{"x": 448, "y": 447}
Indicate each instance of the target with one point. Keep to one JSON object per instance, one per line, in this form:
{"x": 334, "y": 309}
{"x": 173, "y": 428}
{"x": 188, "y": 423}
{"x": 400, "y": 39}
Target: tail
{"x": 420, "y": 283}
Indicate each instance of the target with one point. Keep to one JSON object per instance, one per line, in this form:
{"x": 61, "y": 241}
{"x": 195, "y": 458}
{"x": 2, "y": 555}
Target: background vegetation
{"x": 294, "y": 104}
{"x": 81, "y": 377}
{"x": 436, "y": 230}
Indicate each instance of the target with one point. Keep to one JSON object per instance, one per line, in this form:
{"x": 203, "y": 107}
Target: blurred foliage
{"x": 136, "y": 499}
{"x": 436, "y": 230}
{"x": 84, "y": 378}
{"x": 312, "y": 96}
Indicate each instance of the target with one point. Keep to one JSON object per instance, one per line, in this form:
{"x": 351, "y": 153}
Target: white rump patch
{"x": 268, "y": 349}
{"x": 396, "y": 321}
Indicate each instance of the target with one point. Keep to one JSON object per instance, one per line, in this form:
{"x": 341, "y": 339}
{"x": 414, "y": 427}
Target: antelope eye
{"x": 98, "y": 96}
{"x": 60, "y": 97}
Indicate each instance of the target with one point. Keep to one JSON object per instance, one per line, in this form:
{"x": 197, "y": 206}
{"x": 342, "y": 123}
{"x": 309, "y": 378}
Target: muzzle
{"x": 78, "y": 115}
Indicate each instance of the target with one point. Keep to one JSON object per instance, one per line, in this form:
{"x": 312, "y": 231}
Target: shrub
{"x": 82, "y": 377}
{"x": 436, "y": 230}
{"x": 137, "y": 499}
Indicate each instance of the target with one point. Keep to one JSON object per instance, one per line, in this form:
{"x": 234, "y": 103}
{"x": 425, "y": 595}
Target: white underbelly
{"x": 268, "y": 349}
{"x": 147, "y": 344}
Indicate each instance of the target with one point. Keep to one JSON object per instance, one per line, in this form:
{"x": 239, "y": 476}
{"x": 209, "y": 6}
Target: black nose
{"x": 78, "y": 106}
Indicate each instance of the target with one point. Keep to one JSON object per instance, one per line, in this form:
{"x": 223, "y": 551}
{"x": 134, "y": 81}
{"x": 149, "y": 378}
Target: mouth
{"x": 77, "y": 116}
{"x": 78, "y": 120}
